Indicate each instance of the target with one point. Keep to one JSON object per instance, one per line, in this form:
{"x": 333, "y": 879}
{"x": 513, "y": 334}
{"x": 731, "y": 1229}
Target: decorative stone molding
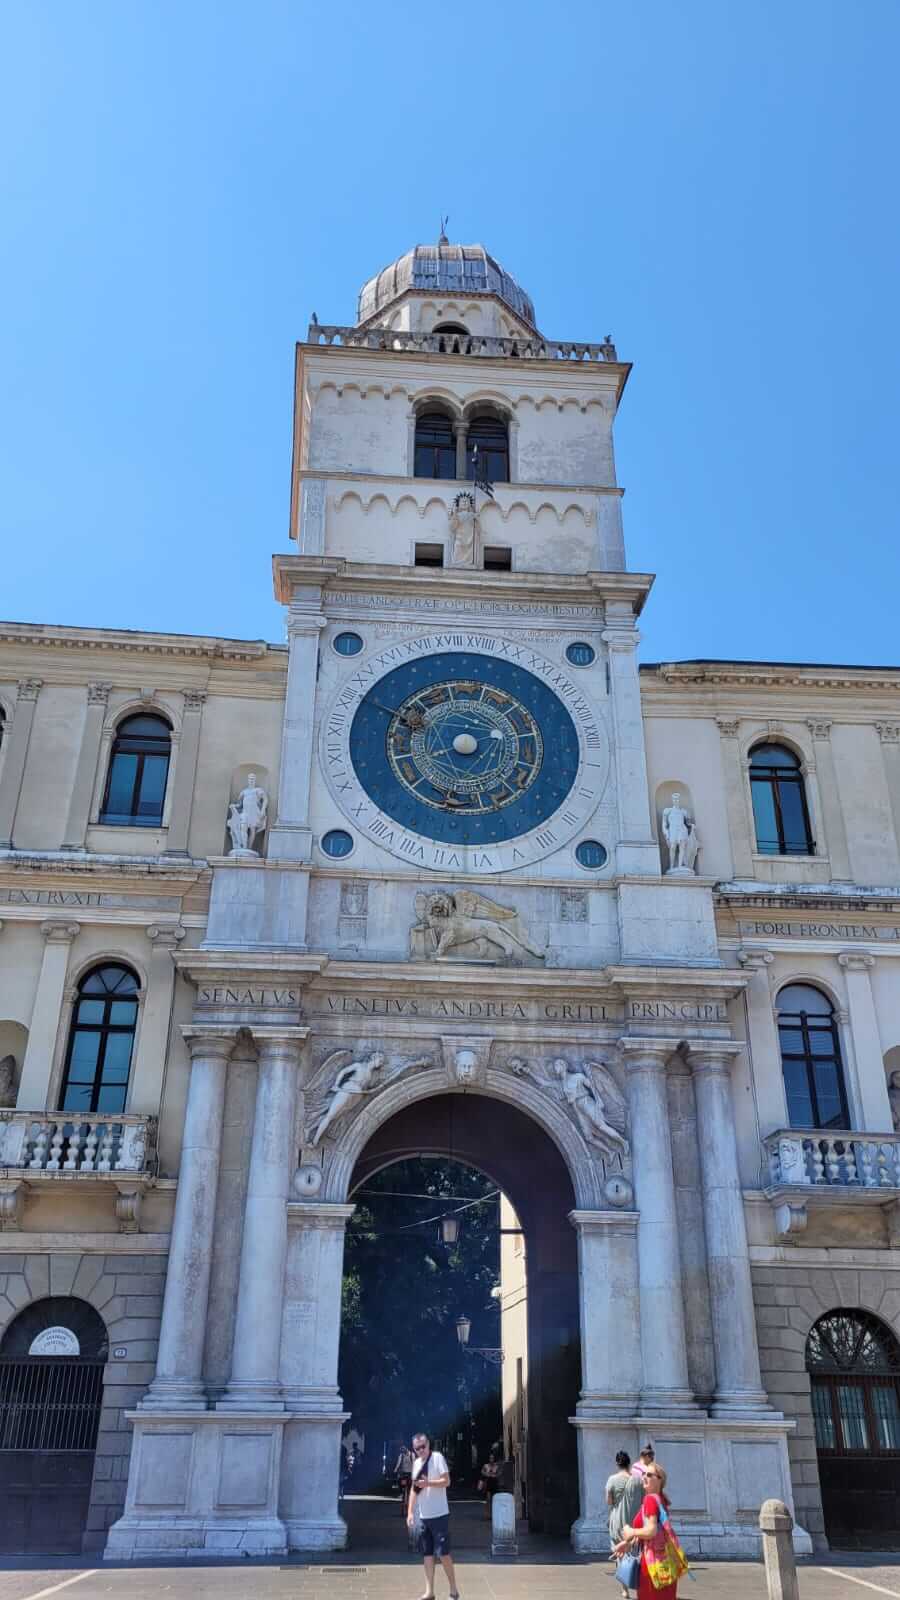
{"x": 466, "y": 1059}
{"x": 194, "y": 699}
{"x": 165, "y": 935}
{"x": 790, "y": 1218}
{"x": 60, "y": 932}
{"x": 29, "y": 688}
{"x": 573, "y": 905}
{"x": 12, "y": 1204}
{"x": 728, "y": 727}
{"x": 820, "y": 729}
{"x": 128, "y": 1207}
{"x": 888, "y": 732}
{"x": 712, "y": 1057}
{"x": 856, "y": 960}
{"x": 755, "y": 960}
{"x": 98, "y": 693}
{"x": 302, "y": 624}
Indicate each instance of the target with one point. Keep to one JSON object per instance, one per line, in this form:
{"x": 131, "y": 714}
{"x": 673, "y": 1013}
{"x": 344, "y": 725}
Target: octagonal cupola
{"x": 457, "y": 286}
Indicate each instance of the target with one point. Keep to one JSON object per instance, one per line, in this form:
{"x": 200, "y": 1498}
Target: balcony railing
{"x": 35, "y": 1143}
{"x": 810, "y": 1158}
{"x": 524, "y": 348}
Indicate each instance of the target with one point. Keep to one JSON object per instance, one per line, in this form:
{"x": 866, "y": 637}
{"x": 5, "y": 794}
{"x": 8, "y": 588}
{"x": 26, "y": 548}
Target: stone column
{"x": 691, "y": 1236}
{"x": 310, "y": 1337}
{"x": 459, "y": 435}
{"x": 637, "y": 850}
{"x": 185, "y": 775}
{"x": 739, "y": 1389}
{"x": 765, "y": 1050}
{"x": 666, "y": 1391}
{"x": 86, "y": 768}
{"x": 889, "y": 734}
{"x": 149, "y": 1067}
{"x": 874, "y": 1107}
{"x": 34, "y": 1084}
{"x": 178, "y": 1384}
{"x": 12, "y": 769}
{"x": 835, "y": 828}
{"x": 740, "y": 816}
{"x": 291, "y": 839}
{"x": 255, "y": 1382}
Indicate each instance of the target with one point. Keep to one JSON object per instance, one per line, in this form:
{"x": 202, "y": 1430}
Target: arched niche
{"x": 665, "y": 796}
{"x": 13, "y": 1041}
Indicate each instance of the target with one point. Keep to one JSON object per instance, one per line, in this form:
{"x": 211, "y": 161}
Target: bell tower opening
{"x": 475, "y": 1340}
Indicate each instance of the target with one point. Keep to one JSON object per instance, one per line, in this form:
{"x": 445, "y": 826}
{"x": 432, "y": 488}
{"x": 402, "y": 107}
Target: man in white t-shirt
{"x": 428, "y": 1505}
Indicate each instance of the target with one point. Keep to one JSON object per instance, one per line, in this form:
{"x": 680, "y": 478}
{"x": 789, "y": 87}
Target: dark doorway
{"x": 853, "y": 1362}
{"x": 52, "y": 1360}
{"x": 497, "y": 1151}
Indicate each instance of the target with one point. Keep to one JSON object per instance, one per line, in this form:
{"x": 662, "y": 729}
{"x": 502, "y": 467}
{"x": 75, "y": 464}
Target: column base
{"x": 742, "y": 1403}
{"x": 594, "y": 1403}
{"x": 327, "y": 1534}
{"x": 174, "y": 1394}
{"x": 669, "y": 1403}
{"x": 251, "y": 1397}
{"x": 138, "y": 1539}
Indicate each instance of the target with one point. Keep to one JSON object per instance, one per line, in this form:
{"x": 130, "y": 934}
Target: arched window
{"x": 487, "y": 450}
{"x": 853, "y": 1361}
{"x": 435, "y": 446}
{"x": 811, "y": 1059}
{"x": 101, "y": 1040}
{"x": 138, "y": 769}
{"x": 779, "y": 802}
{"x": 449, "y": 327}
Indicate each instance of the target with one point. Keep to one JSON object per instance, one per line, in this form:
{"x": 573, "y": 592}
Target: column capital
{"x": 604, "y": 1221}
{"x": 60, "y": 932}
{"x": 757, "y": 960}
{"x": 194, "y": 699}
{"x": 819, "y": 727}
{"x": 98, "y": 693}
{"x": 272, "y": 1042}
{"x": 305, "y": 624}
{"x": 624, "y": 640}
{"x": 165, "y": 935}
{"x": 856, "y": 960}
{"x": 712, "y": 1057}
{"x": 888, "y": 732}
{"x": 29, "y": 688}
{"x": 322, "y": 1214}
{"x": 647, "y": 1054}
{"x": 728, "y": 727}
{"x": 209, "y": 1040}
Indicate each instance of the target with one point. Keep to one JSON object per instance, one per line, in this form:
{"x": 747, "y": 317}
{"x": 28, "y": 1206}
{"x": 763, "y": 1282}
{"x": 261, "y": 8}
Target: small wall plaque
{"x": 120, "y": 1352}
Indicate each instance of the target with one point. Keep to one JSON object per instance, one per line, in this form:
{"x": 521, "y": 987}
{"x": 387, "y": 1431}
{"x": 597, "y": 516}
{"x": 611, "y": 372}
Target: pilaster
{"x": 830, "y": 801}
{"x": 610, "y": 1299}
{"x": 86, "y": 768}
{"x": 12, "y": 771}
{"x": 290, "y": 839}
{"x": 148, "y": 1071}
{"x": 765, "y": 1050}
{"x": 740, "y": 821}
{"x": 34, "y": 1084}
{"x": 637, "y": 850}
{"x": 889, "y": 737}
{"x": 874, "y": 1105}
{"x": 184, "y": 777}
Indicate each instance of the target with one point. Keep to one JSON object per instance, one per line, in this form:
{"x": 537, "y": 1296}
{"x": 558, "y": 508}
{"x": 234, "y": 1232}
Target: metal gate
{"x": 49, "y": 1417}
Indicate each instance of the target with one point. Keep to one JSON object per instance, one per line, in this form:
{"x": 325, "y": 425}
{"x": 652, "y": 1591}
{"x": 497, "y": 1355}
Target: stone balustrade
{"x": 811, "y": 1157}
{"x": 524, "y": 348}
{"x": 35, "y": 1143}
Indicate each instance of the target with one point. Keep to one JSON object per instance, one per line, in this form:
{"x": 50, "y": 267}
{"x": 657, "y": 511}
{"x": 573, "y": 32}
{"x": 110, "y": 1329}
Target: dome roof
{"x": 444, "y": 268}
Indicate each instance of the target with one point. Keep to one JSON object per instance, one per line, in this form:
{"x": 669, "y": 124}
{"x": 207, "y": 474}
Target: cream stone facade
{"x": 447, "y": 860}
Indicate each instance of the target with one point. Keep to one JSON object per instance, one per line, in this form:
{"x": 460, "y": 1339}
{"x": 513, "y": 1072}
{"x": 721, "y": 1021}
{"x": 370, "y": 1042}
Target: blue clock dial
{"x": 464, "y": 749}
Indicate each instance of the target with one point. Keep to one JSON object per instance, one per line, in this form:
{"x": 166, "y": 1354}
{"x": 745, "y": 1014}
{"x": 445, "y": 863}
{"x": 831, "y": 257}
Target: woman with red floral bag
{"x": 662, "y": 1559}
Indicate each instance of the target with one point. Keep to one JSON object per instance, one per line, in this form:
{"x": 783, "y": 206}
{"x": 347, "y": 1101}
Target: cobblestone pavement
{"x": 378, "y": 1567}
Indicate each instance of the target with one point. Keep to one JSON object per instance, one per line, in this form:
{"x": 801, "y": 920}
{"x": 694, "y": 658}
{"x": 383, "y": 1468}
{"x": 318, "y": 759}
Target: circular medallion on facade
{"x": 308, "y": 1181}
{"x": 55, "y": 1342}
{"x": 618, "y": 1191}
{"x": 465, "y": 759}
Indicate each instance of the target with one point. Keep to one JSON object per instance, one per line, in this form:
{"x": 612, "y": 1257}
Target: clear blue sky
{"x": 713, "y": 181}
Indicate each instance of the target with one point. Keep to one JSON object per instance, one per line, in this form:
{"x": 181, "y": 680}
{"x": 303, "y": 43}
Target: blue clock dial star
{"x": 464, "y": 748}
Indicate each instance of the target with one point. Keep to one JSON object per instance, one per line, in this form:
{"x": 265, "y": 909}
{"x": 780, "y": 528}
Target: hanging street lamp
{"x": 449, "y": 1229}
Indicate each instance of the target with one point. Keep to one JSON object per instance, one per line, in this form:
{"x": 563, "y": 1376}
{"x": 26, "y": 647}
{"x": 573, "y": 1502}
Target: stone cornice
{"x": 765, "y": 674}
{"x": 184, "y": 645}
{"x": 379, "y": 479}
{"x": 63, "y": 869}
{"x": 452, "y": 584}
{"x": 808, "y": 897}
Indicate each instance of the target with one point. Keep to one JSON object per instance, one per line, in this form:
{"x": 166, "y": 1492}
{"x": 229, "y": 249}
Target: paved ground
{"x": 382, "y": 1569}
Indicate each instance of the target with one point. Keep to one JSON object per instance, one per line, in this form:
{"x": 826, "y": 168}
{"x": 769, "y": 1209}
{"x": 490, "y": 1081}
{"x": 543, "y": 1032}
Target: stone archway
{"x": 510, "y": 1147}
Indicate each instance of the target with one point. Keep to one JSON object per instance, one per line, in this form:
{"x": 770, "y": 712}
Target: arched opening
{"x": 52, "y": 1359}
{"x": 138, "y": 772}
{"x": 811, "y": 1058}
{"x": 518, "y": 1383}
{"x": 853, "y": 1361}
{"x": 487, "y": 448}
{"x": 435, "y": 445}
{"x": 780, "y": 811}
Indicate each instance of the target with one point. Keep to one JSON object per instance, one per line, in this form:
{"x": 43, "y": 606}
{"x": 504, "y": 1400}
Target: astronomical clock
{"x": 465, "y": 753}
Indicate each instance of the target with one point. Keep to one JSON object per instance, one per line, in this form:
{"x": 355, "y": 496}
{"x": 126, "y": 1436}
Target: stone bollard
{"x": 503, "y": 1526}
{"x": 776, "y": 1526}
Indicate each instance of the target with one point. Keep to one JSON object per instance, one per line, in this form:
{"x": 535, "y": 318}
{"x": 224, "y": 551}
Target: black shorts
{"x": 434, "y": 1536}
